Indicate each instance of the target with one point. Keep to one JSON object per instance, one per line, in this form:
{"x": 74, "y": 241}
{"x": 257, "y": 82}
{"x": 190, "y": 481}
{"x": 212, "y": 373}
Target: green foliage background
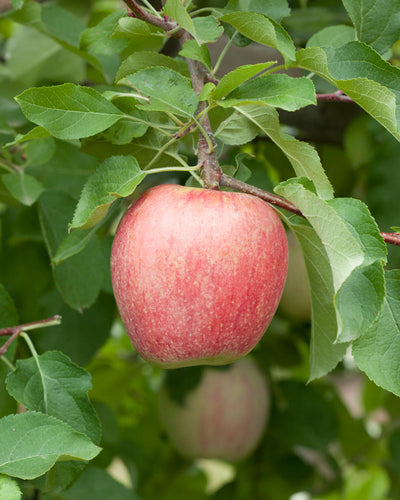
{"x": 90, "y": 100}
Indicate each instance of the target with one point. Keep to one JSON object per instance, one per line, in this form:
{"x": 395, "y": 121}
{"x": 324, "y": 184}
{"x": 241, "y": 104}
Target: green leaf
{"x": 25, "y": 188}
{"x": 355, "y": 251}
{"x": 377, "y": 22}
{"x": 31, "y": 443}
{"x": 17, "y": 4}
{"x": 236, "y": 130}
{"x": 117, "y": 177}
{"x": 35, "y": 133}
{"x": 79, "y": 278}
{"x": 53, "y": 385}
{"x": 73, "y": 243}
{"x": 96, "y": 483}
{"x": 234, "y": 78}
{"x": 62, "y": 24}
{"x": 145, "y": 59}
{"x": 262, "y": 30}
{"x": 359, "y": 71}
{"x": 68, "y": 111}
{"x": 278, "y": 90}
{"x": 97, "y": 39}
{"x": 275, "y": 8}
{"x": 176, "y": 11}
{"x": 9, "y": 489}
{"x": 193, "y": 50}
{"x": 207, "y": 29}
{"x": 325, "y": 353}
{"x": 176, "y": 95}
{"x": 377, "y": 352}
{"x": 301, "y": 155}
{"x": 333, "y": 36}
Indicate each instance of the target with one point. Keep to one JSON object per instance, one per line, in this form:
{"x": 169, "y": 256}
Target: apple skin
{"x": 223, "y": 417}
{"x": 197, "y": 274}
{"x": 296, "y": 297}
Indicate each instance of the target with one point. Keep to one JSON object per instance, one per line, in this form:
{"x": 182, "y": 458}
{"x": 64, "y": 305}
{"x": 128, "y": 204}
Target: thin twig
{"x": 54, "y": 320}
{"x": 141, "y": 13}
{"x": 274, "y": 199}
{"x": 14, "y": 335}
{"x": 335, "y": 96}
{"x": 393, "y": 238}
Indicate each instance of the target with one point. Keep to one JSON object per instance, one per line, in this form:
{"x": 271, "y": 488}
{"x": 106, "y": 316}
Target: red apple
{"x": 223, "y": 417}
{"x": 197, "y": 274}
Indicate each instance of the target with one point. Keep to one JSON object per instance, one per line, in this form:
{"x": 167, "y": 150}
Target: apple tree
{"x": 289, "y": 104}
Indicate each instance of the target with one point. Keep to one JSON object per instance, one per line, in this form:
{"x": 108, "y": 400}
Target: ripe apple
{"x": 223, "y": 417}
{"x": 296, "y": 297}
{"x": 197, "y": 274}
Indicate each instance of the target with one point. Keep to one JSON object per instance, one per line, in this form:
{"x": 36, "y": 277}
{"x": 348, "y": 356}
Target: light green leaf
{"x": 234, "y": 78}
{"x": 31, "y": 443}
{"x": 25, "y": 188}
{"x": 236, "y": 130}
{"x": 9, "y": 489}
{"x": 356, "y": 255}
{"x": 262, "y": 30}
{"x": 62, "y": 24}
{"x": 68, "y": 111}
{"x": 301, "y": 155}
{"x": 325, "y": 353}
{"x": 98, "y": 40}
{"x": 377, "y": 352}
{"x": 333, "y": 36}
{"x": 35, "y": 133}
{"x": 176, "y": 95}
{"x": 192, "y": 50}
{"x": 273, "y": 8}
{"x": 17, "y": 4}
{"x": 176, "y": 11}
{"x": 207, "y": 29}
{"x": 359, "y": 71}
{"x": 277, "y": 90}
{"x": 377, "y": 22}
{"x": 53, "y": 385}
{"x": 117, "y": 177}
{"x": 145, "y": 59}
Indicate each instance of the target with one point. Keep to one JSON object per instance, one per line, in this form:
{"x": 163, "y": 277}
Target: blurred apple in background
{"x": 197, "y": 274}
{"x": 296, "y": 297}
{"x": 223, "y": 417}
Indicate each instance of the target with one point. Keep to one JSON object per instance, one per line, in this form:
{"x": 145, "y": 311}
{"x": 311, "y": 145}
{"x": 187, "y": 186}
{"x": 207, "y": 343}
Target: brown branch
{"x": 210, "y": 170}
{"x": 138, "y": 11}
{"x": 392, "y": 238}
{"x": 54, "y": 320}
{"x": 335, "y": 96}
{"x": 273, "y": 199}
{"x": 14, "y": 335}
{"x": 278, "y": 201}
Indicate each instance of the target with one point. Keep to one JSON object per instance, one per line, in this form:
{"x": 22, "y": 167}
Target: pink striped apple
{"x": 223, "y": 417}
{"x": 197, "y": 274}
